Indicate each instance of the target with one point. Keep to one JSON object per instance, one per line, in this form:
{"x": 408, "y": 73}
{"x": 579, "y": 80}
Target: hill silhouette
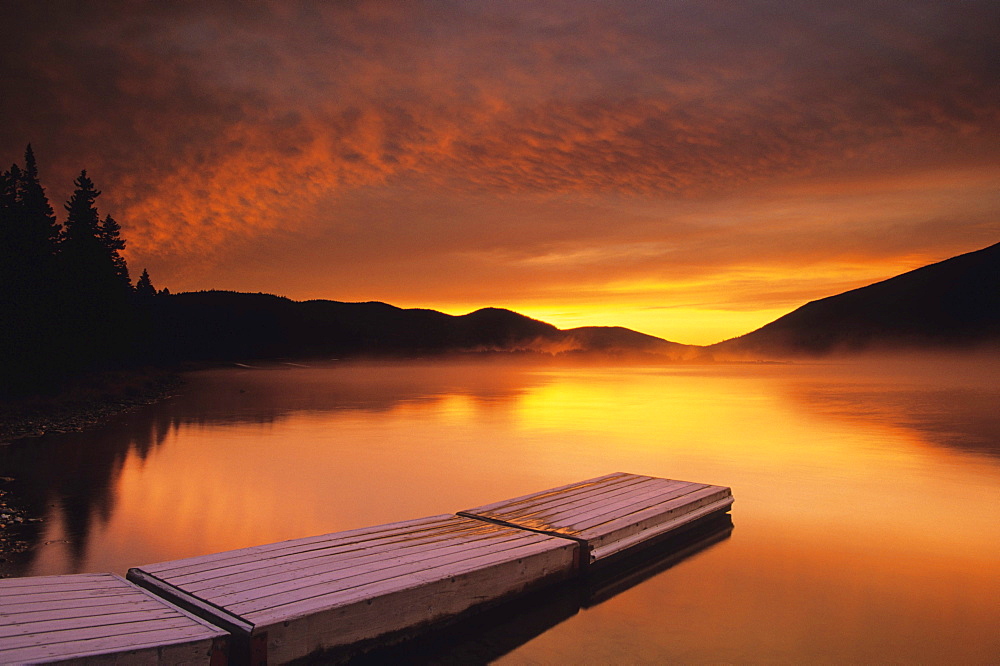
{"x": 221, "y": 325}
{"x": 951, "y": 304}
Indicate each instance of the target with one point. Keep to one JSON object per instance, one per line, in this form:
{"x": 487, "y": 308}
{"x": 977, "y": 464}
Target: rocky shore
{"x": 85, "y": 403}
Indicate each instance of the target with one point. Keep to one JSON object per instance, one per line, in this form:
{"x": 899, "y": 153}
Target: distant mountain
{"x": 219, "y": 325}
{"x": 954, "y": 303}
{"x": 615, "y": 339}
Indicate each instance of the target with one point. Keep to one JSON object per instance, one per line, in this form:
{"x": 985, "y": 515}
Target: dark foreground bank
{"x": 85, "y": 402}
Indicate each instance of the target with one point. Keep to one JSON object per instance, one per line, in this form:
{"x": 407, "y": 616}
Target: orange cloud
{"x": 501, "y": 153}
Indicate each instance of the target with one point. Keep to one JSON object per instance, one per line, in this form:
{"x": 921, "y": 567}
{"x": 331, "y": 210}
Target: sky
{"x": 688, "y": 169}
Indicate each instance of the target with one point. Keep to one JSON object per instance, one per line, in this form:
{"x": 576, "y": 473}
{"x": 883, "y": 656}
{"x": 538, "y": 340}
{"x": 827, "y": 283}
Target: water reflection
{"x": 952, "y": 411}
{"x": 70, "y": 479}
{"x": 488, "y": 636}
{"x": 267, "y": 393}
{"x": 865, "y": 494}
{"x": 73, "y": 480}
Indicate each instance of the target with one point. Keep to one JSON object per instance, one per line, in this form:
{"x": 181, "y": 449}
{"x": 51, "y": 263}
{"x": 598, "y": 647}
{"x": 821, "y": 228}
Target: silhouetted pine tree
{"x": 111, "y": 237}
{"x": 144, "y": 288}
{"x": 97, "y": 294}
{"x": 29, "y": 243}
{"x": 66, "y": 302}
{"x": 41, "y": 229}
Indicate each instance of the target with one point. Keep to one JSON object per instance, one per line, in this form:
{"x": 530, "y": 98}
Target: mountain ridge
{"x": 949, "y": 304}
{"x": 227, "y": 325}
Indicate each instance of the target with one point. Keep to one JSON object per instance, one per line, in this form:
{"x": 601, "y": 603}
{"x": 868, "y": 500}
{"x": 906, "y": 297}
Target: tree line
{"x": 67, "y": 303}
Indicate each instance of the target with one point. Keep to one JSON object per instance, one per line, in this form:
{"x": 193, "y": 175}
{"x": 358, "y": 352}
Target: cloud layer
{"x": 504, "y": 153}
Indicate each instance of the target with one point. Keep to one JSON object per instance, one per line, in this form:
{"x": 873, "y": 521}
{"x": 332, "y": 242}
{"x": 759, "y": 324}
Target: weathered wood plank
{"x": 640, "y": 534}
{"x": 123, "y": 630}
{"x": 630, "y": 499}
{"x": 335, "y": 557}
{"x": 159, "y": 647}
{"x": 578, "y": 496}
{"x": 94, "y": 616}
{"x": 433, "y": 567}
{"x": 671, "y": 503}
{"x": 609, "y": 514}
{"x": 46, "y": 623}
{"x": 61, "y": 580}
{"x": 87, "y": 606}
{"x": 413, "y": 607}
{"x": 252, "y": 554}
{"x": 330, "y": 569}
{"x": 364, "y": 586}
{"x": 562, "y": 491}
{"x": 96, "y": 653}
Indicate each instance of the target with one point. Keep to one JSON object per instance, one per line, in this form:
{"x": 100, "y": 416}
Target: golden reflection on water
{"x": 865, "y": 515}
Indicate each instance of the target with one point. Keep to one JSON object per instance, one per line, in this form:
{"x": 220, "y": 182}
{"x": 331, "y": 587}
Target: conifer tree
{"x": 41, "y": 228}
{"x": 111, "y": 238}
{"x": 10, "y": 224}
{"x": 82, "y": 220}
{"x": 29, "y": 244}
{"x": 8, "y": 215}
{"x": 35, "y": 243}
{"x": 9, "y": 260}
{"x": 97, "y": 309}
{"x": 144, "y": 288}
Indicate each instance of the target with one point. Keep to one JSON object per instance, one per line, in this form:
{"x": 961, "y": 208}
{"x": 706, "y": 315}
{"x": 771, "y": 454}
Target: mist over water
{"x": 864, "y": 527}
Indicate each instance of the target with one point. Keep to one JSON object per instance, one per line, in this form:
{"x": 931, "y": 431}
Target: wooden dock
{"x": 291, "y": 599}
{"x": 279, "y": 602}
{"x": 99, "y": 619}
{"x": 610, "y": 514}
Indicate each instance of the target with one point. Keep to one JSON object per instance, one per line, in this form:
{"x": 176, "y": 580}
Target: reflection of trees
{"x": 76, "y": 473}
{"x": 266, "y": 395}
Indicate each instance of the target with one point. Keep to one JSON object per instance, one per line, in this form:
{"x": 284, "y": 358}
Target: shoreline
{"x": 86, "y": 403}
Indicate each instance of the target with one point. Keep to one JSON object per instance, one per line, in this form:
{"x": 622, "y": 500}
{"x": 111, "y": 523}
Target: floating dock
{"x": 280, "y": 602}
{"x": 100, "y": 619}
{"x": 610, "y": 514}
{"x": 291, "y": 599}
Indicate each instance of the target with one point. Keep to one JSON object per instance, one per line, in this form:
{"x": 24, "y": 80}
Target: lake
{"x": 865, "y": 526}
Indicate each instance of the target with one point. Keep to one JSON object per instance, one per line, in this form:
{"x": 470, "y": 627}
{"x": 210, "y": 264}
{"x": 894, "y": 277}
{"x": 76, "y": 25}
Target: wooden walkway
{"x": 283, "y": 601}
{"x": 297, "y": 597}
{"x": 609, "y": 514}
{"x": 100, "y": 619}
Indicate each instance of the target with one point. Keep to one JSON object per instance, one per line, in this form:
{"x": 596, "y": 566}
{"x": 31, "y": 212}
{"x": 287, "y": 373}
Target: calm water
{"x": 865, "y": 526}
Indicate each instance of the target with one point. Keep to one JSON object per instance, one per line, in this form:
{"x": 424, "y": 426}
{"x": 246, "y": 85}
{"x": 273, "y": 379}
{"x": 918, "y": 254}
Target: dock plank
{"x": 568, "y": 490}
{"x": 329, "y": 573}
{"x": 363, "y": 585}
{"x": 606, "y": 517}
{"x": 98, "y": 617}
{"x": 611, "y": 513}
{"x": 333, "y": 558}
{"x": 333, "y": 590}
{"x": 621, "y": 503}
{"x": 435, "y": 526}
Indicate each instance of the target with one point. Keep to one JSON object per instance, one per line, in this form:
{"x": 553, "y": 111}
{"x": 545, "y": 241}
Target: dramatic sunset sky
{"x": 690, "y": 169}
